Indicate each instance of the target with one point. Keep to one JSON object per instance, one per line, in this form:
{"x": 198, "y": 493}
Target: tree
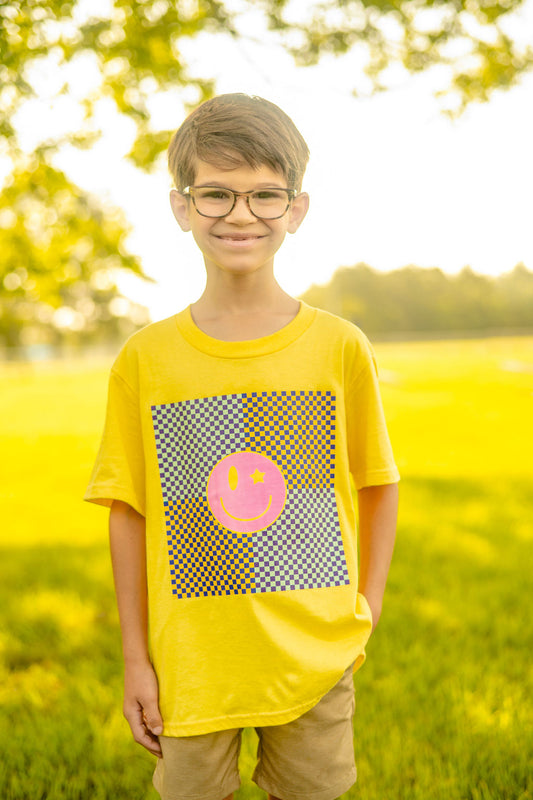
{"x": 137, "y": 44}
{"x": 426, "y": 301}
{"x": 59, "y": 251}
{"x": 473, "y": 38}
{"x": 136, "y": 49}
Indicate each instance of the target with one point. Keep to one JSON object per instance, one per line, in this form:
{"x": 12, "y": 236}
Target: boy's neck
{"x": 241, "y": 310}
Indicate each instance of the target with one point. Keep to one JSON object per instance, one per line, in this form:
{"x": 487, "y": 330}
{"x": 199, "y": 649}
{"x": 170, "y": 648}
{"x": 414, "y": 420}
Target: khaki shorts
{"x": 309, "y": 758}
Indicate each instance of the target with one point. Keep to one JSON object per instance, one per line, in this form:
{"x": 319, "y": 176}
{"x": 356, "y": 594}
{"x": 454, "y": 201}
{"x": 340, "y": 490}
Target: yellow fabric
{"x": 239, "y": 454}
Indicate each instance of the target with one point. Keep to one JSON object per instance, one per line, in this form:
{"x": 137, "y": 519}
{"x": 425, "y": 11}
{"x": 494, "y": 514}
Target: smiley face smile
{"x": 246, "y": 519}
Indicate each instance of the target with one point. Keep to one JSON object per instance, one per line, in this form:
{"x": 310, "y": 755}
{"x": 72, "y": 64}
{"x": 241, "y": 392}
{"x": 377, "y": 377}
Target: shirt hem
{"x": 377, "y": 478}
{"x": 254, "y": 720}
{"x": 259, "y": 720}
{"x": 104, "y": 496}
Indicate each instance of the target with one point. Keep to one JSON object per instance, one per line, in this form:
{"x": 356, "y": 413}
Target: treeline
{"x": 413, "y": 300}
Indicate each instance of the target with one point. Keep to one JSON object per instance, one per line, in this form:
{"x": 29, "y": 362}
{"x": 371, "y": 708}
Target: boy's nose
{"x": 240, "y": 211}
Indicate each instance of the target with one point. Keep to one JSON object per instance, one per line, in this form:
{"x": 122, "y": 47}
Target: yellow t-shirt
{"x": 239, "y": 455}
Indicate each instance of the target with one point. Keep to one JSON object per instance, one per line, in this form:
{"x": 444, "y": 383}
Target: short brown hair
{"x": 232, "y": 129}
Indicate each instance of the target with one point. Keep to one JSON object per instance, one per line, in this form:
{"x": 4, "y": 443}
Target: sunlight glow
{"x": 392, "y": 181}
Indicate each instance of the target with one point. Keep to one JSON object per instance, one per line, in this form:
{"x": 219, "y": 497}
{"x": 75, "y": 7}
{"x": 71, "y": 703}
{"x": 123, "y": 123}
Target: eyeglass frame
{"x": 291, "y": 195}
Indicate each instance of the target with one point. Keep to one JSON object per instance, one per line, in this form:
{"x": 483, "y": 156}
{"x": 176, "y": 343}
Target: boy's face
{"x": 238, "y": 243}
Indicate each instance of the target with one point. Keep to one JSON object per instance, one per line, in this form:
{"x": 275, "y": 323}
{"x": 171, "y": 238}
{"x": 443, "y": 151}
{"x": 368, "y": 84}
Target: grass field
{"x": 444, "y": 701}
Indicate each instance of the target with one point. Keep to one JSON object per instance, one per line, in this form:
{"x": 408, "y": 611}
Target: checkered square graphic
{"x": 205, "y": 559}
{"x": 297, "y": 430}
{"x": 297, "y": 544}
{"x": 290, "y": 555}
{"x": 191, "y": 437}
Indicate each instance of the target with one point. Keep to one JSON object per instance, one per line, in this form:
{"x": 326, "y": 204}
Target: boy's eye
{"x": 268, "y": 194}
{"x": 214, "y": 194}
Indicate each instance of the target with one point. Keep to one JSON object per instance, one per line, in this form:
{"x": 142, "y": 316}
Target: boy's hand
{"x": 141, "y": 709}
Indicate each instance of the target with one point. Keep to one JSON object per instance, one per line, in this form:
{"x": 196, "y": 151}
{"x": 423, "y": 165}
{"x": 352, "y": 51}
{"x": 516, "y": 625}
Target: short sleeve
{"x": 369, "y": 448}
{"x": 119, "y": 471}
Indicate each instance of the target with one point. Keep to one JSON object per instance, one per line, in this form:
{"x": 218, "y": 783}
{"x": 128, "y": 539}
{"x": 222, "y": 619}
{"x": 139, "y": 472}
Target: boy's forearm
{"x": 378, "y": 511}
{"x": 127, "y": 539}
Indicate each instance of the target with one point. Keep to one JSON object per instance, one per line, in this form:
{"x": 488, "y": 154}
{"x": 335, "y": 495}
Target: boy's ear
{"x": 180, "y": 208}
{"x": 297, "y": 211}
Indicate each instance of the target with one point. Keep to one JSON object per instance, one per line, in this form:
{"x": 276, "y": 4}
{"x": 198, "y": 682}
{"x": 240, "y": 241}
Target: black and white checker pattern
{"x": 303, "y": 549}
{"x": 206, "y": 559}
{"x": 191, "y": 437}
{"x": 297, "y": 430}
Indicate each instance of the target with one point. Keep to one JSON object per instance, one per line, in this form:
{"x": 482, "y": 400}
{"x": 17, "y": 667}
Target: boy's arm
{"x": 128, "y": 555}
{"x": 378, "y": 510}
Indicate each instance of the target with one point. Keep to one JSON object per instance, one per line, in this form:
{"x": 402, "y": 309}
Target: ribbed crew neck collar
{"x": 248, "y": 348}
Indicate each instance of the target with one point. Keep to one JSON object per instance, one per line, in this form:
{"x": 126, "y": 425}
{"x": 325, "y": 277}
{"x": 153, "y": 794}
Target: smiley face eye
{"x": 233, "y": 478}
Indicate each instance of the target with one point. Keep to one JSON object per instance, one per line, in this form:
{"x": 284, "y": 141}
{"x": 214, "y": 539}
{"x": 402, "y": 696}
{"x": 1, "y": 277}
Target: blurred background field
{"x": 444, "y": 700}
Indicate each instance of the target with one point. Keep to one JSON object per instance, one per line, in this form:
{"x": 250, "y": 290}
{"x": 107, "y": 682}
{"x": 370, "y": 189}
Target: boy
{"x": 232, "y": 430}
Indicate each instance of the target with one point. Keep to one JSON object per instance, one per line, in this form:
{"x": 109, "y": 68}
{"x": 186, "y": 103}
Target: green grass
{"x": 444, "y": 706}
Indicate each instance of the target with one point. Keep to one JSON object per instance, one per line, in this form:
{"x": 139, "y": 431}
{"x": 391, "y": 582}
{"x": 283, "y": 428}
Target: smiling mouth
{"x": 239, "y": 237}
{"x": 246, "y": 519}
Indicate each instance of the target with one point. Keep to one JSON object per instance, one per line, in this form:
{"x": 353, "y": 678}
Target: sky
{"x": 392, "y": 180}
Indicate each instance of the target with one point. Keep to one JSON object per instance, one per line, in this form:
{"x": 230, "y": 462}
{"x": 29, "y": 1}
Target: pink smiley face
{"x": 246, "y": 492}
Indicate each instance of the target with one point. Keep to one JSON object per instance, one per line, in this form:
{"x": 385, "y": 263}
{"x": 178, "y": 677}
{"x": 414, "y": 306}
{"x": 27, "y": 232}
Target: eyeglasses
{"x": 217, "y": 201}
